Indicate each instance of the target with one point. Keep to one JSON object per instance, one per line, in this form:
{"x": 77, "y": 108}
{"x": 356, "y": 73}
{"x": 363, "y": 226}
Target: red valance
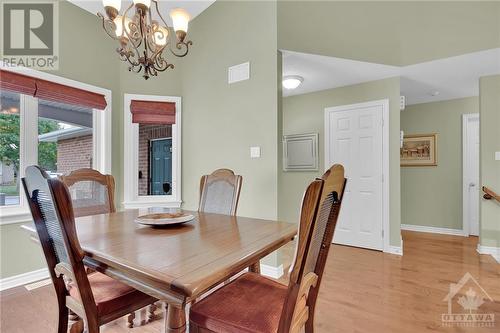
{"x": 17, "y": 83}
{"x": 149, "y": 112}
{"x": 50, "y": 91}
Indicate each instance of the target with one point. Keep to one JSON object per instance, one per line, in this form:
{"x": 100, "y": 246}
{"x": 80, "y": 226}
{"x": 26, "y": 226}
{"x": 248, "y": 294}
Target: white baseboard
{"x": 22, "y": 279}
{"x": 272, "y": 271}
{"x": 491, "y": 250}
{"x": 397, "y": 250}
{"x": 434, "y": 230}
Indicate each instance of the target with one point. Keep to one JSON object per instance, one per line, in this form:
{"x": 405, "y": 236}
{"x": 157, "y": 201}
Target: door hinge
{"x": 382, "y": 233}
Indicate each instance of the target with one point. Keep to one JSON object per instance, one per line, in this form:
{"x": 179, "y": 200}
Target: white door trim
{"x": 465, "y": 187}
{"x": 384, "y": 103}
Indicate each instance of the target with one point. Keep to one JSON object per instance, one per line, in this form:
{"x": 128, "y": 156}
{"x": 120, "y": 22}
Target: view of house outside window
{"x": 65, "y": 141}
{"x": 64, "y": 137}
{"x": 10, "y": 124}
{"x": 155, "y": 159}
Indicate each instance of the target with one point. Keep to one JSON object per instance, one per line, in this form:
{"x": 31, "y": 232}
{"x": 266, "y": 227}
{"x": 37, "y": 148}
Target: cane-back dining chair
{"x": 219, "y": 194}
{"x": 91, "y": 192}
{"x": 95, "y": 298}
{"x": 253, "y": 303}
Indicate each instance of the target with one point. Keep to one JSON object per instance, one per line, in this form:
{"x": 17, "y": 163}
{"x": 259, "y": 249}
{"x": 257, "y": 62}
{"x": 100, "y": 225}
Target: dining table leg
{"x": 174, "y": 319}
{"x": 255, "y": 268}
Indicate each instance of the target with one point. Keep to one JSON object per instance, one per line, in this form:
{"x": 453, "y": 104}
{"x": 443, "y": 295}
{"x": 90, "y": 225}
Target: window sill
{"x": 149, "y": 204}
{"x": 14, "y": 215}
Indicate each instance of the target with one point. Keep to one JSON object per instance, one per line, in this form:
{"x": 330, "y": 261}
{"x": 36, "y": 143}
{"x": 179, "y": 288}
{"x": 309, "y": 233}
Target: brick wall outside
{"x": 74, "y": 153}
{"x": 147, "y": 133}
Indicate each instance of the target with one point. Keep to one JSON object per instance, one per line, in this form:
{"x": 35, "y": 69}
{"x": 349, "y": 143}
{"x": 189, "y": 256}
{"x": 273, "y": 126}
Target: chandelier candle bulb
{"x": 121, "y": 22}
{"x": 180, "y": 19}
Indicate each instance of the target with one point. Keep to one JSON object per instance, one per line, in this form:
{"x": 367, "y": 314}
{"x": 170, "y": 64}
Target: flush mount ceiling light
{"x": 142, "y": 39}
{"x": 292, "y": 81}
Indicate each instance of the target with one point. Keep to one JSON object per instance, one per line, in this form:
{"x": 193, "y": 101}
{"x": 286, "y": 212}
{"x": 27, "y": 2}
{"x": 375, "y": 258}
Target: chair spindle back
{"x": 52, "y": 211}
{"x": 319, "y": 214}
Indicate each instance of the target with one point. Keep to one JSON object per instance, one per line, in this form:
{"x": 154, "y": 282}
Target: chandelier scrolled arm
{"x": 183, "y": 46}
{"x": 109, "y": 26}
{"x": 142, "y": 40}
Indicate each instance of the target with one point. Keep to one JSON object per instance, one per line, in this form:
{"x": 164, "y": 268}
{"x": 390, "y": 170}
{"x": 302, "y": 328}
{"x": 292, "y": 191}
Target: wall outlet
{"x": 254, "y": 152}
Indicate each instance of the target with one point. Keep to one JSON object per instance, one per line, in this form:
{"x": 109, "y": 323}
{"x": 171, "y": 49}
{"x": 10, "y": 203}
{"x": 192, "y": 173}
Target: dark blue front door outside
{"x": 160, "y": 167}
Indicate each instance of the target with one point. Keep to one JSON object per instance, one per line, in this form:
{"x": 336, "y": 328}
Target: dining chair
{"x": 96, "y": 298}
{"x": 254, "y": 303}
{"x": 219, "y": 194}
{"x": 91, "y": 192}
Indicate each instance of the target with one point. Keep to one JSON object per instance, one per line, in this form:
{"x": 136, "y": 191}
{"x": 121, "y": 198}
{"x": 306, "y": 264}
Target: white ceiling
{"x": 454, "y": 77}
{"x": 193, "y": 7}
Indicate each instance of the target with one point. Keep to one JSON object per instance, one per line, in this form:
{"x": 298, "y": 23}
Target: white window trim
{"x": 131, "y": 158}
{"x": 28, "y": 133}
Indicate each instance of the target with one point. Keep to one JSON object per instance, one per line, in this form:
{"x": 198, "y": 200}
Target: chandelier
{"x": 143, "y": 39}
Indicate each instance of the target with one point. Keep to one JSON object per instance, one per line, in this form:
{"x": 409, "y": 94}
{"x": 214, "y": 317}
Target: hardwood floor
{"x": 362, "y": 291}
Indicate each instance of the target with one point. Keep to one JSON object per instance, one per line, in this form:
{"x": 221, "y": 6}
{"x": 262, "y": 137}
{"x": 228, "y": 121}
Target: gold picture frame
{"x": 419, "y": 150}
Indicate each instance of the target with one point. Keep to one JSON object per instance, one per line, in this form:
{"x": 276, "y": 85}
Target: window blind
{"x": 150, "y": 112}
{"x": 50, "y": 91}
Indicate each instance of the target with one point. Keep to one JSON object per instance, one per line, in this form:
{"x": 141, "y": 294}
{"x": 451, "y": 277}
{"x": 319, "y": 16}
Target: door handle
{"x": 472, "y": 184}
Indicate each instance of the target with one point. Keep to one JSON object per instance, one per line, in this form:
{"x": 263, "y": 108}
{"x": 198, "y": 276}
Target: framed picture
{"x": 419, "y": 150}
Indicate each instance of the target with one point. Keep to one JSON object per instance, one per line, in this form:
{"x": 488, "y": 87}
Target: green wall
{"x": 390, "y": 32}
{"x": 221, "y": 121}
{"x": 443, "y": 209}
{"x": 489, "y": 108}
{"x": 305, "y": 114}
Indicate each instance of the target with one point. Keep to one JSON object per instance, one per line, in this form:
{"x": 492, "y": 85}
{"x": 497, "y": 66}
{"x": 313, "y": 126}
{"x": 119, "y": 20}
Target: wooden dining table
{"x": 177, "y": 264}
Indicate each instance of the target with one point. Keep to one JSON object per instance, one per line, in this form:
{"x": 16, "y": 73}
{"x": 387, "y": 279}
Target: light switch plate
{"x": 238, "y": 73}
{"x": 254, "y": 152}
{"x": 497, "y": 155}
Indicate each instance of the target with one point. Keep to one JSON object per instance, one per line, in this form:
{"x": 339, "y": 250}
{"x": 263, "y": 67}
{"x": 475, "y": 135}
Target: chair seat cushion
{"x": 251, "y": 303}
{"x": 110, "y": 295}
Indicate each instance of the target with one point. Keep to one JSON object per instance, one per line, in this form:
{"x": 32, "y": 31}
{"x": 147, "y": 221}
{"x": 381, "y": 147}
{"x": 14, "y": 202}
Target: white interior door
{"x": 354, "y": 136}
{"x": 471, "y": 173}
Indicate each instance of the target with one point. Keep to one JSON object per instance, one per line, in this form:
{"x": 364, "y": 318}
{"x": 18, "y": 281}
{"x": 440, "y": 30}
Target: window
{"x": 152, "y": 164}
{"x": 155, "y": 160}
{"x": 57, "y": 123}
{"x": 10, "y": 130}
{"x": 65, "y": 137}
